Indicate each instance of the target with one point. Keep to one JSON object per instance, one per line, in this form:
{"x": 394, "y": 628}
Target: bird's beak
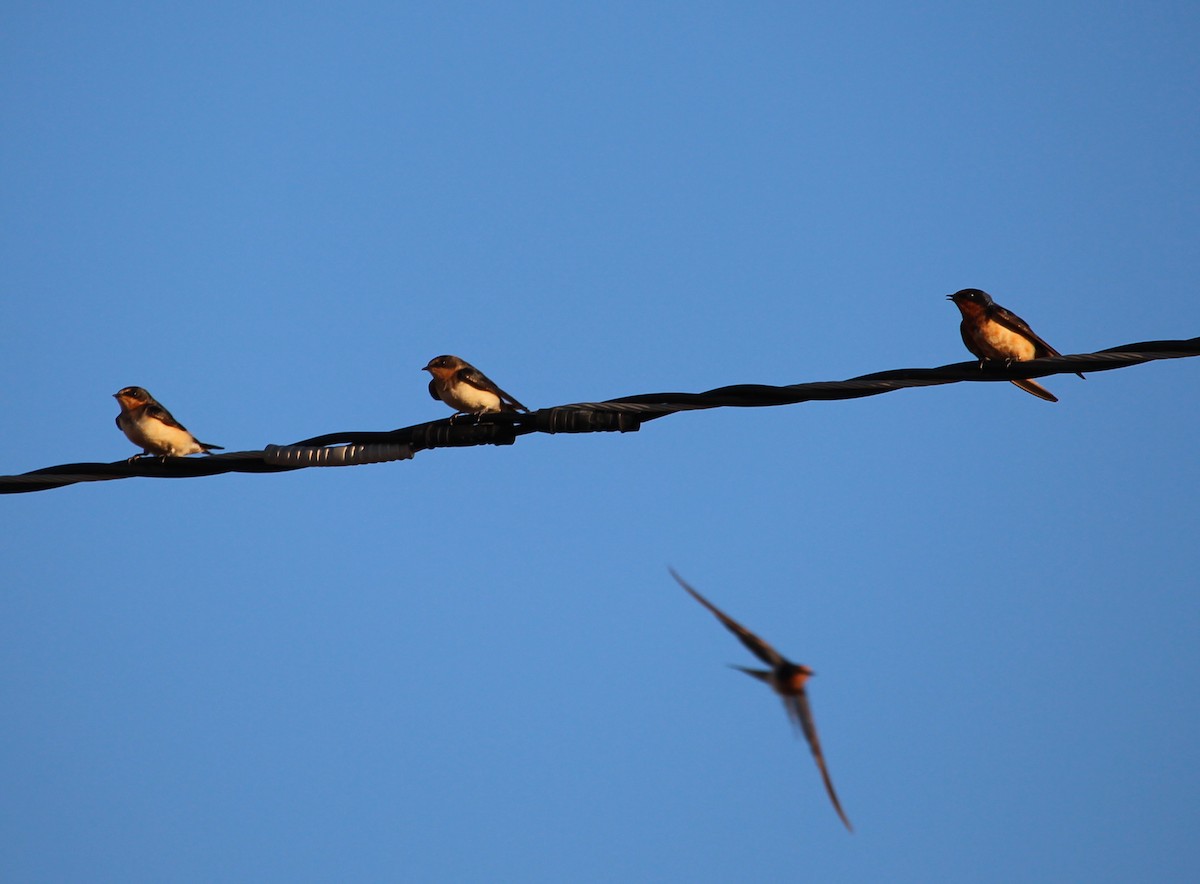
{"x": 949, "y": 297}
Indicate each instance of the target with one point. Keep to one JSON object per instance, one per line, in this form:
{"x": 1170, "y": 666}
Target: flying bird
{"x": 151, "y": 427}
{"x": 786, "y": 678}
{"x": 466, "y": 389}
{"x": 992, "y": 332}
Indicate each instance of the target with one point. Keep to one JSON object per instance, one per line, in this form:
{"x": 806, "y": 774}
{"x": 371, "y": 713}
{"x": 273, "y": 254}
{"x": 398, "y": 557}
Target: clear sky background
{"x": 474, "y": 666}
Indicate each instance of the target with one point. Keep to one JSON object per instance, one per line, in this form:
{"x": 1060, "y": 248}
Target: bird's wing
{"x": 753, "y": 643}
{"x": 473, "y": 376}
{"x": 968, "y": 341}
{"x": 1015, "y": 323}
{"x": 801, "y": 713}
{"x": 156, "y": 411}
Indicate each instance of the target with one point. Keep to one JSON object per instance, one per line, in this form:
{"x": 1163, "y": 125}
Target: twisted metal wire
{"x": 624, "y": 415}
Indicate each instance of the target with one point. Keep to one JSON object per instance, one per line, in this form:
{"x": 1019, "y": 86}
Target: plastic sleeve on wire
{"x": 462, "y": 434}
{"x": 336, "y": 456}
{"x": 586, "y": 420}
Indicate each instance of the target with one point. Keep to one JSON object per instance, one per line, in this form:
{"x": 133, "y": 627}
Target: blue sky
{"x": 474, "y": 666}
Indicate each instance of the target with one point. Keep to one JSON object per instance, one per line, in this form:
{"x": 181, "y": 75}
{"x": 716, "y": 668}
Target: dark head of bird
{"x": 442, "y": 364}
{"x": 133, "y": 394}
{"x": 971, "y": 296}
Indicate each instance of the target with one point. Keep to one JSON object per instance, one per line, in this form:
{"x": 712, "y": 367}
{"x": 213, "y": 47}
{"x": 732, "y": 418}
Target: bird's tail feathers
{"x": 760, "y": 674}
{"x": 1031, "y": 386}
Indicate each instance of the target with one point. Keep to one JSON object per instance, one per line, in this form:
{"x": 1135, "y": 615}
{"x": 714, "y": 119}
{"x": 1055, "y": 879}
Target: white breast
{"x": 155, "y": 436}
{"x": 470, "y": 399}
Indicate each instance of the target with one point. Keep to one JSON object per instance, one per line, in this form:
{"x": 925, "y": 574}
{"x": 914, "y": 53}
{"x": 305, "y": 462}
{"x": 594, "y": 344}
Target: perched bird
{"x": 466, "y": 389}
{"x": 991, "y": 332}
{"x": 786, "y": 678}
{"x": 151, "y": 427}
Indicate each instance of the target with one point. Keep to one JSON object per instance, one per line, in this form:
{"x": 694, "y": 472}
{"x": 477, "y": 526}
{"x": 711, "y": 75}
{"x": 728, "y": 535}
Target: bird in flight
{"x": 786, "y": 678}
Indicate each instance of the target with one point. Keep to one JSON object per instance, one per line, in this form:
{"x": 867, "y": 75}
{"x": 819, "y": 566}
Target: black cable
{"x": 624, "y": 415}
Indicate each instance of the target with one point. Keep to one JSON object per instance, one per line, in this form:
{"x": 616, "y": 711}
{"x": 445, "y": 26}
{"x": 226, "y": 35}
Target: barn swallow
{"x": 147, "y": 424}
{"x": 786, "y": 678}
{"x": 466, "y": 389}
{"x": 992, "y": 332}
